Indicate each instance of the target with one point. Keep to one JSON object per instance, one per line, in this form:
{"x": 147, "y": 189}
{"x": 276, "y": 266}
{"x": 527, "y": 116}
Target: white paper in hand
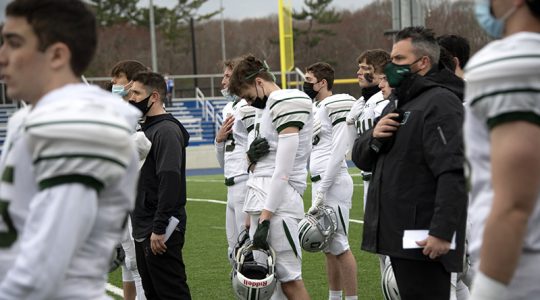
{"x": 410, "y": 237}
{"x": 173, "y": 222}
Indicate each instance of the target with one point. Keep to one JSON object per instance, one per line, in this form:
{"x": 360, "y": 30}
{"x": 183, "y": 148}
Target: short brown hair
{"x": 245, "y": 72}
{"x": 128, "y": 67}
{"x": 378, "y": 58}
{"x": 66, "y": 21}
{"x": 152, "y": 81}
{"x": 322, "y": 70}
{"x": 231, "y": 63}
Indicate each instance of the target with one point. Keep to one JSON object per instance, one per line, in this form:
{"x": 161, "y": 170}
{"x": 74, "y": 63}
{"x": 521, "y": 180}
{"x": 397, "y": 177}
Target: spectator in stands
{"x": 170, "y": 90}
{"x": 161, "y": 194}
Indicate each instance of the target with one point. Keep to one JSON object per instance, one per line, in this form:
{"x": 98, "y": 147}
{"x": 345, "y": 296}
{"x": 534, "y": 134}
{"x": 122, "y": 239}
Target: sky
{"x": 240, "y": 9}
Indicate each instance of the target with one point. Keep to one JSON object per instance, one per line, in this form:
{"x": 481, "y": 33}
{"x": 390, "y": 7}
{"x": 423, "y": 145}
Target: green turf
{"x": 205, "y": 250}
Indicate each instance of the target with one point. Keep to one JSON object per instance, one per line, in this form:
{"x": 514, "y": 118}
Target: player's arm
{"x": 59, "y": 221}
{"x": 340, "y": 146}
{"x": 355, "y": 111}
{"x": 223, "y": 133}
{"x": 286, "y": 153}
{"x": 289, "y": 118}
{"x": 516, "y": 182}
{"x": 221, "y": 137}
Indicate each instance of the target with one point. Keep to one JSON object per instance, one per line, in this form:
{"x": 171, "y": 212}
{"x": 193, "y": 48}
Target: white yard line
{"x": 118, "y": 291}
{"x": 225, "y": 202}
{"x": 222, "y": 182}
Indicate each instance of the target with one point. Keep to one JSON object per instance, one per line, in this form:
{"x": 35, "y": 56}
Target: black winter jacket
{"x": 161, "y": 191}
{"x": 419, "y": 182}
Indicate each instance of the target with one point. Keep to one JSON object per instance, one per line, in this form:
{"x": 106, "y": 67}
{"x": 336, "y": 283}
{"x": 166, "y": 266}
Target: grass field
{"x": 205, "y": 250}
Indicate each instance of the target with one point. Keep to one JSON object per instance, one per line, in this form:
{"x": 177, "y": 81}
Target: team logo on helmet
{"x": 389, "y": 283}
{"x": 253, "y": 273}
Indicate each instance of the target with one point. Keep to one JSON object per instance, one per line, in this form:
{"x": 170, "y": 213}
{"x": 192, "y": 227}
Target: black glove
{"x": 261, "y": 235}
{"x": 258, "y": 149}
{"x": 117, "y": 259}
{"x": 383, "y": 145}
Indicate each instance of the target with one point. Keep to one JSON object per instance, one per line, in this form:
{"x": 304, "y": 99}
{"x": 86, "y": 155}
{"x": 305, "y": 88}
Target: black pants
{"x": 163, "y": 276}
{"x": 419, "y": 280}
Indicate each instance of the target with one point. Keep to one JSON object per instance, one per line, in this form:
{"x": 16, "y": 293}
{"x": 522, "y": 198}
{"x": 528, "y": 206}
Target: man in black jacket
{"x": 415, "y": 152}
{"x": 161, "y": 194}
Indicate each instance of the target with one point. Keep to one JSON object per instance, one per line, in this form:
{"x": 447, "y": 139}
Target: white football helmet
{"x": 316, "y": 230}
{"x": 251, "y": 278}
{"x": 388, "y": 282}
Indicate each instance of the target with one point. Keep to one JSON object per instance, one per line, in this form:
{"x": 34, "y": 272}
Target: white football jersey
{"x": 372, "y": 110}
{"x": 503, "y": 81}
{"x": 332, "y": 138}
{"x": 234, "y": 151}
{"x": 68, "y": 181}
{"x": 284, "y": 108}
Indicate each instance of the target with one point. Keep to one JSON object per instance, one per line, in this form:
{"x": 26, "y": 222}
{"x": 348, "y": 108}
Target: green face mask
{"x": 396, "y": 73}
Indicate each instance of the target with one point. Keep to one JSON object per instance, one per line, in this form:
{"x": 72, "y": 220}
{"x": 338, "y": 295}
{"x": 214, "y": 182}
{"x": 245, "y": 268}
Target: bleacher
{"x": 6, "y": 110}
{"x": 188, "y": 112}
{"x": 191, "y": 116}
{"x": 201, "y": 127}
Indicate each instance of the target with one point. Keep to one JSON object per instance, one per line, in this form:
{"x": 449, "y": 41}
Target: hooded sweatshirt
{"x": 161, "y": 192}
{"x": 418, "y": 182}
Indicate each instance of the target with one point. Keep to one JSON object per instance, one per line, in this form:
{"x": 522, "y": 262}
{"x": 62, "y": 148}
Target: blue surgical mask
{"x": 492, "y": 26}
{"x": 119, "y": 90}
{"x": 229, "y": 96}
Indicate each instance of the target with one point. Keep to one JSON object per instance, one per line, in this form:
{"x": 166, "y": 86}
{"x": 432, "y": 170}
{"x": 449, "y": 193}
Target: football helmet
{"x": 388, "y": 282}
{"x": 316, "y": 230}
{"x": 243, "y": 239}
{"x": 254, "y": 278}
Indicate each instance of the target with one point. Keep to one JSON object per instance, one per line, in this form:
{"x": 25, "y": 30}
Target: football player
{"x": 502, "y": 134}
{"x": 369, "y": 107}
{"x": 122, "y": 74}
{"x": 278, "y": 158}
{"x": 231, "y": 145}
{"x": 69, "y": 173}
{"x": 331, "y": 183}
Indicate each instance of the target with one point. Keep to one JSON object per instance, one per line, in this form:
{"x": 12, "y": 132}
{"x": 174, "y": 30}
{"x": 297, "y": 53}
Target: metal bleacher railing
{"x": 196, "y": 101}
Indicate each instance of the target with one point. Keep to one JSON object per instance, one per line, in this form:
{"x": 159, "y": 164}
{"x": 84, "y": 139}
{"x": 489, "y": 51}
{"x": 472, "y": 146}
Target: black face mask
{"x": 308, "y": 89}
{"x": 259, "y": 102}
{"x": 142, "y": 105}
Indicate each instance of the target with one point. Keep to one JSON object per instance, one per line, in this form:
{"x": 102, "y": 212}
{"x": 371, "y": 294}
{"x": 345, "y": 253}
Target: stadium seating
{"x": 201, "y": 129}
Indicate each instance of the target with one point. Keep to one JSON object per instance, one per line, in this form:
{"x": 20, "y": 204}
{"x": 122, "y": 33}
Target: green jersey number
{"x": 230, "y": 143}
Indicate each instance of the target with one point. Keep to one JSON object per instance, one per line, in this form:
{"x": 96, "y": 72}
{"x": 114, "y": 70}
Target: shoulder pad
{"x": 293, "y": 111}
{"x": 82, "y": 143}
{"x": 246, "y": 113}
{"x": 338, "y": 107}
